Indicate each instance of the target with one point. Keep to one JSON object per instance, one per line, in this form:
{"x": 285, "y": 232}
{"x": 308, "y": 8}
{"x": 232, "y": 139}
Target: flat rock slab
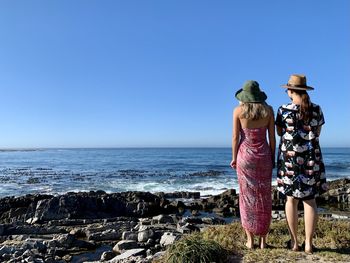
{"x": 129, "y": 253}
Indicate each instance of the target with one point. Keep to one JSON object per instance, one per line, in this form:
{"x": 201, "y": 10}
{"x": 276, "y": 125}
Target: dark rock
{"x": 82, "y": 205}
{"x": 178, "y": 204}
{"x": 107, "y": 255}
{"x": 345, "y": 182}
{"x": 6, "y": 257}
{"x": 213, "y": 221}
{"x": 4, "y": 250}
{"x": 209, "y": 173}
{"x": 163, "y": 219}
{"x": 181, "y": 195}
{"x": 43, "y": 228}
{"x": 19, "y": 208}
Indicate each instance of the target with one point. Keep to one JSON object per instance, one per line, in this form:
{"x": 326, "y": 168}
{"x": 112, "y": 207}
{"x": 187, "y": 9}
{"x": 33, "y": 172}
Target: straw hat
{"x": 251, "y": 92}
{"x": 297, "y": 81}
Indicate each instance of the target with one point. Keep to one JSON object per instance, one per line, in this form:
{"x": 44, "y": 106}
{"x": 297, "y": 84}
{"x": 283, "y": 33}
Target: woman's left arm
{"x": 320, "y": 121}
{"x": 235, "y": 136}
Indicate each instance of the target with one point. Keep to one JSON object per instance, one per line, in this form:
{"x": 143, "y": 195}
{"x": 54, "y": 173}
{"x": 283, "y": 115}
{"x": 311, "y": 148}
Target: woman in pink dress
{"x": 253, "y": 157}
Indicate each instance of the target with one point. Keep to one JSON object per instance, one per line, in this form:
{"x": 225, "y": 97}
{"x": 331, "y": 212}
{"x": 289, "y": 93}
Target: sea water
{"x": 204, "y": 170}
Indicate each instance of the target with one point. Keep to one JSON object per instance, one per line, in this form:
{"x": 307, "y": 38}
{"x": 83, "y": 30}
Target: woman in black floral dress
{"x": 300, "y": 168}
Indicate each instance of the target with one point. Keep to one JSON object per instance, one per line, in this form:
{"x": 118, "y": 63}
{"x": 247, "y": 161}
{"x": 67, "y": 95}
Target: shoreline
{"x": 100, "y": 227}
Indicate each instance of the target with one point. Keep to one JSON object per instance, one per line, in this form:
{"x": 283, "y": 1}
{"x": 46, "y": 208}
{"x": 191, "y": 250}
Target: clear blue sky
{"x": 163, "y": 73}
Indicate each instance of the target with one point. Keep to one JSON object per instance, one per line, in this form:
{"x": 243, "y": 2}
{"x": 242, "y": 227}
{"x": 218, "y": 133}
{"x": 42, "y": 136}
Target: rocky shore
{"x": 124, "y": 227}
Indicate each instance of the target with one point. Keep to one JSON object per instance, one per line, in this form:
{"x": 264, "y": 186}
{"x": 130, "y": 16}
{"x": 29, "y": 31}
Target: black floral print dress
{"x": 300, "y": 167}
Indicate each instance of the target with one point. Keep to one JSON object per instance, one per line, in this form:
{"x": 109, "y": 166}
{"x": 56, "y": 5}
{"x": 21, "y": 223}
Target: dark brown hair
{"x": 305, "y": 106}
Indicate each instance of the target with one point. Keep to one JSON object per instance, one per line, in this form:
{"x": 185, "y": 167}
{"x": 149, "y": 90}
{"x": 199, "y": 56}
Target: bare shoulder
{"x": 270, "y": 107}
{"x": 237, "y": 110}
{"x": 270, "y": 110}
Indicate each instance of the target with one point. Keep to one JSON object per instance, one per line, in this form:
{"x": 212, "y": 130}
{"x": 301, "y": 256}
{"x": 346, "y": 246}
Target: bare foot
{"x": 308, "y": 249}
{"x": 293, "y": 245}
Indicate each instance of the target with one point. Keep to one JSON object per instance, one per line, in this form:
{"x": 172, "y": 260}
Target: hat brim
{"x": 244, "y": 96}
{"x": 298, "y": 88}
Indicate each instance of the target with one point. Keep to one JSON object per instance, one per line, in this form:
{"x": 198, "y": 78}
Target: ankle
{"x": 308, "y": 244}
{"x": 294, "y": 243}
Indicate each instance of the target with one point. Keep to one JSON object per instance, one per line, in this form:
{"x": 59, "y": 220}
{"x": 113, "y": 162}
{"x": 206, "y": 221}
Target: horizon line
{"x": 125, "y": 147}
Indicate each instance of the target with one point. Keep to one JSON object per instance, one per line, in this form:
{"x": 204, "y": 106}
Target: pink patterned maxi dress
{"x": 254, "y": 170}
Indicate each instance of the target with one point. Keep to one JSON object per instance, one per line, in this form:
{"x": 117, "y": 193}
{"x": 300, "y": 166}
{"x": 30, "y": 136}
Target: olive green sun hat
{"x": 251, "y": 92}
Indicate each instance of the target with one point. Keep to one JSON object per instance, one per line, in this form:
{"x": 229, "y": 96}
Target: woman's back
{"x": 254, "y": 124}
{"x": 252, "y": 121}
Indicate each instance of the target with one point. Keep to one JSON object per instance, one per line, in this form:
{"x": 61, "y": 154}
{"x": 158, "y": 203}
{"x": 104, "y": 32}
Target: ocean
{"x": 204, "y": 170}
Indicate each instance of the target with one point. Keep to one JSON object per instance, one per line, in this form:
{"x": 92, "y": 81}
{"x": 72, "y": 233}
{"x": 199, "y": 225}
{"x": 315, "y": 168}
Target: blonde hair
{"x": 255, "y": 111}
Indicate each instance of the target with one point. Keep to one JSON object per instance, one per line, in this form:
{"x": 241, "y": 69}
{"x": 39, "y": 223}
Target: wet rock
{"x": 6, "y": 257}
{"x": 179, "y": 205}
{"x": 82, "y": 205}
{"x": 4, "y": 250}
{"x": 195, "y": 213}
{"x": 107, "y": 255}
{"x": 180, "y": 195}
{"x": 209, "y": 173}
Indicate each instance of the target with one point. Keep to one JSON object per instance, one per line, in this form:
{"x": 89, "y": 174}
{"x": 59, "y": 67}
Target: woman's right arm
{"x": 279, "y": 130}
{"x": 235, "y": 136}
{"x": 279, "y": 122}
{"x": 272, "y": 137}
